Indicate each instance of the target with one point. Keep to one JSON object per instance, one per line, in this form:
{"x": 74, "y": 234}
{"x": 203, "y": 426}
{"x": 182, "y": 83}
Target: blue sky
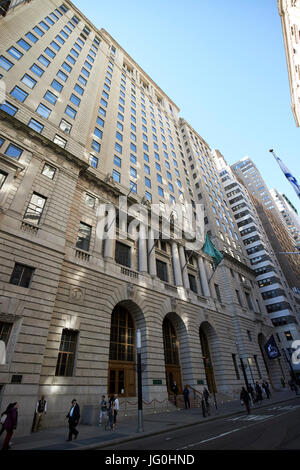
{"x": 223, "y": 64}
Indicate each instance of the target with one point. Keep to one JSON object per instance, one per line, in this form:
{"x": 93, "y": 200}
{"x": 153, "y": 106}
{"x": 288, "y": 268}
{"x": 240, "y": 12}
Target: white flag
{"x": 288, "y": 175}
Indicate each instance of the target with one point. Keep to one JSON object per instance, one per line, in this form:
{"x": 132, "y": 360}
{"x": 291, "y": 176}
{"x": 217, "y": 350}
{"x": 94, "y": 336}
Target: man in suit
{"x": 73, "y": 415}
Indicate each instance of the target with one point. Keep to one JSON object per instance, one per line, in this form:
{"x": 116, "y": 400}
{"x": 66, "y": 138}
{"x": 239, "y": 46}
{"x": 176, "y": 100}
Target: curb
{"x": 164, "y": 431}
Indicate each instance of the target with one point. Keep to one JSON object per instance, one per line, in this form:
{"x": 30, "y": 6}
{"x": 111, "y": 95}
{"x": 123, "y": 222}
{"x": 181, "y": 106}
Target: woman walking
{"x": 10, "y": 423}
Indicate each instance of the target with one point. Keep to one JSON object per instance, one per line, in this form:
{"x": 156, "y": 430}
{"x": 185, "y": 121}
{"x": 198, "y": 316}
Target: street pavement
{"x": 95, "y": 437}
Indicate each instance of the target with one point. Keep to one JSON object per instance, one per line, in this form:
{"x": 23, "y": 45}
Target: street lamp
{"x": 139, "y": 378}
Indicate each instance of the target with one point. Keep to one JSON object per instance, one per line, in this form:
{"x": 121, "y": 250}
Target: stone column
{"x": 176, "y": 265}
{"x": 203, "y": 277}
{"x": 142, "y": 250}
{"x": 184, "y": 273}
{"x": 151, "y": 254}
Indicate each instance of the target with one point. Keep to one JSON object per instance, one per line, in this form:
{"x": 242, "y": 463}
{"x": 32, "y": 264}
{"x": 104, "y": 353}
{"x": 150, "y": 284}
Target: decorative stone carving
{"x": 174, "y": 304}
{"x": 77, "y": 295}
{"x": 130, "y": 290}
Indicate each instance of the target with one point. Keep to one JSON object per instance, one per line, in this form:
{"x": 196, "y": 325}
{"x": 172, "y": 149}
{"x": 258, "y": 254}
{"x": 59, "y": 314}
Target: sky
{"x": 223, "y": 64}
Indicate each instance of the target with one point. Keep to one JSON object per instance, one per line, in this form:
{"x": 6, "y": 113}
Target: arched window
{"x": 121, "y": 336}
{"x": 170, "y": 343}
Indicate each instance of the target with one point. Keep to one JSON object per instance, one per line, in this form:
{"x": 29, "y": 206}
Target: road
{"x": 274, "y": 427}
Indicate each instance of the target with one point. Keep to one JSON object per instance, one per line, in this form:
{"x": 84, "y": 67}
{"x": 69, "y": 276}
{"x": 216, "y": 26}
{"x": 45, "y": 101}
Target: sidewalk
{"x": 92, "y": 437}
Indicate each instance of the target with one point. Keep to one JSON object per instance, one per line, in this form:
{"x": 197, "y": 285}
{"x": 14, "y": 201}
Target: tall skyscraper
{"x": 281, "y": 302}
{"x": 281, "y": 238}
{"x": 90, "y": 143}
{"x": 289, "y": 214}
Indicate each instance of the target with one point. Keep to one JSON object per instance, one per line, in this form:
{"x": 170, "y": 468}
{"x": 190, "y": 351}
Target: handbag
{"x": 3, "y": 418}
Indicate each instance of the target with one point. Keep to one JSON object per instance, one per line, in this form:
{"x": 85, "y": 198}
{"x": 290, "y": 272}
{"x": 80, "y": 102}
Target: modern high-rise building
{"x": 289, "y": 214}
{"x": 280, "y": 237}
{"x": 289, "y": 11}
{"x": 82, "y": 129}
{"x": 281, "y": 302}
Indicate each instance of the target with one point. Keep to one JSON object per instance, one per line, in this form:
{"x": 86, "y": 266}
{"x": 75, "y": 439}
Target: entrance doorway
{"x": 171, "y": 350}
{"x": 122, "y": 371}
{"x": 207, "y": 362}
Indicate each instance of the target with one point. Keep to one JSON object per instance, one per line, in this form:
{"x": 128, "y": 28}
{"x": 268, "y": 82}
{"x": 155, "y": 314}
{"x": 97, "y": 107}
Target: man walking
{"x": 40, "y": 411}
{"x": 186, "y": 396}
{"x": 116, "y": 409}
{"x": 73, "y": 415}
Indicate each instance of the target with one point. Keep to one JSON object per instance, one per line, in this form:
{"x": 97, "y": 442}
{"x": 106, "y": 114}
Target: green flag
{"x": 212, "y": 251}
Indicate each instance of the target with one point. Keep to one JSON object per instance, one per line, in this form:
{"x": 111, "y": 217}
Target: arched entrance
{"x": 206, "y": 355}
{"x": 121, "y": 371}
{"x": 171, "y": 350}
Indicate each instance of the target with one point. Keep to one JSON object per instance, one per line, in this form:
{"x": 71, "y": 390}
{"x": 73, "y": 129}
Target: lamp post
{"x": 139, "y": 379}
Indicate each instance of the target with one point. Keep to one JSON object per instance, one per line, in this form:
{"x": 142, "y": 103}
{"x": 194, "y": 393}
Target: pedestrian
{"x": 174, "y": 389}
{"x": 186, "y": 396}
{"x": 40, "y": 411}
{"x": 116, "y": 409}
{"x": 103, "y": 409}
{"x": 73, "y": 415}
{"x": 10, "y": 423}
{"x": 110, "y": 413}
{"x": 267, "y": 389}
{"x": 245, "y": 399}
{"x": 258, "y": 390}
{"x": 250, "y": 390}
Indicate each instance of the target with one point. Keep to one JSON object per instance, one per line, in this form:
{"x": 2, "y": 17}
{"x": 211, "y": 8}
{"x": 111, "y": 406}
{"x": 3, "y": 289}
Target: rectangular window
{"x": 249, "y": 301}
{"x": 93, "y": 161}
{"x": 19, "y": 94}
{"x": 13, "y": 151}
{"x": 24, "y": 44}
{"x": 49, "y": 171}
{"x": 96, "y": 146}
{"x": 5, "y": 330}
{"x": 78, "y": 89}
{"x": 118, "y": 147}
{"x": 21, "y": 275}
{"x": 28, "y": 81}
{"x": 116, "y": 176}
{"x": 60, "y": 74}
{"x": 35, "y": 125}
{"x": 39, "y": 31}
{"x": 66, "y": 355}
{"x": 84, "y": 237}
{"x": 133, "y": 187}
{"x": 5, "y": 63}
{"x": 44, "y": 61}
{"x": 235, "y": 366}
{"x": 82, "y": 80}
{"x": 49, "y": 96}
{"x": 162, "y": 270}
{"x": 123, "y": 254}
{"x": 56, "y": 85}
{"x": 35, "y": 209}
{"x": 32, "y": 37}
{"x": 3, "y": 177}
{"x": 37, "y": 70}
{"x": 65, "y": 126}
{"x": 239, "y": 298}
{"x": 75, "y": 100}
{"x": 117, "y": 161}
{"x": 15, "y": 53}
{"x": 70, "y": 112}
{"x": 43, "y": 111}
{"x": 66, "y": 67}
{"x": 193, "y": 284}
{"x": 218, "y": 294}
{"x": 98, "y": 133}
{"x": 50, "y": 53}
{"x": 60, "y": 141}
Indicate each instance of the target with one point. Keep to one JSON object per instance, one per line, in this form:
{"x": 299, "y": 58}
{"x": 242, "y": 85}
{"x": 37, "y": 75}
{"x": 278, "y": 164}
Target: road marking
{"x": 251, "y": 418}
{"x": 235, "y": 430}
{"x": 210, "y": 439}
